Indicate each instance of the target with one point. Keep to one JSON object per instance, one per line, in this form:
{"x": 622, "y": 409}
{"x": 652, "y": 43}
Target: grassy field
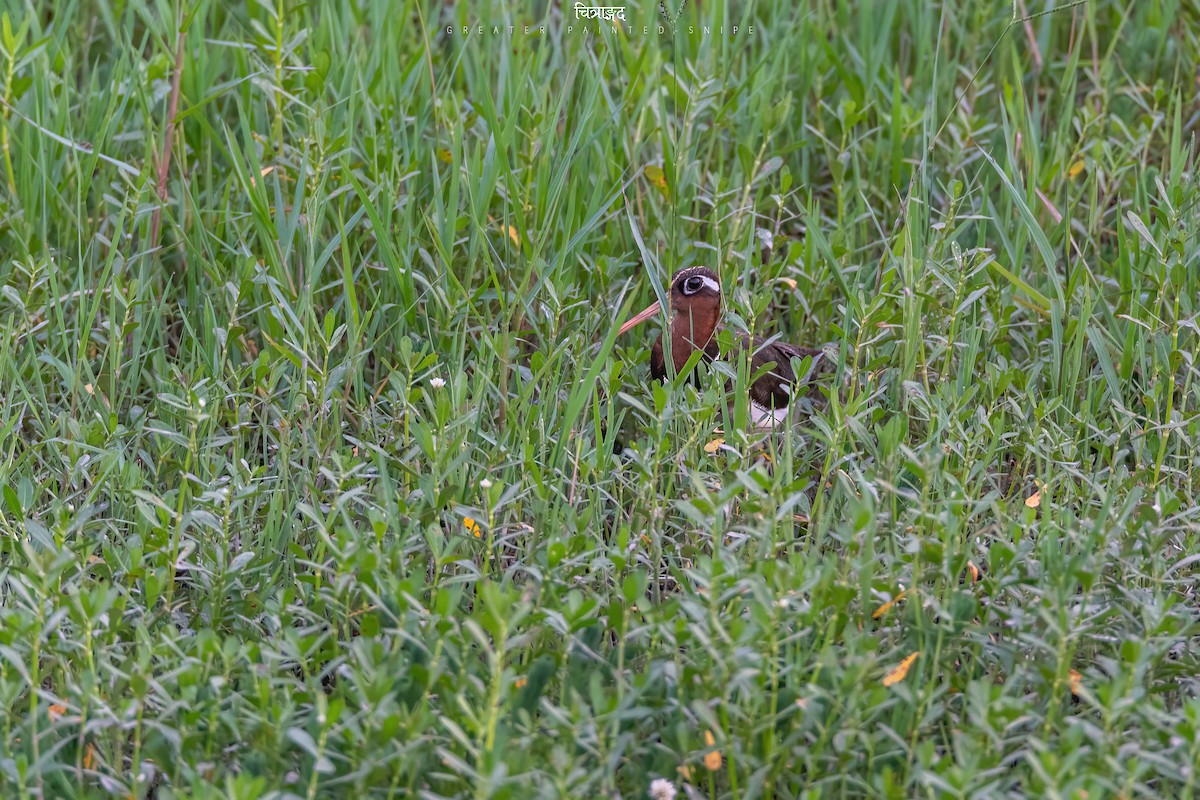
{"x": 315, "y": 483}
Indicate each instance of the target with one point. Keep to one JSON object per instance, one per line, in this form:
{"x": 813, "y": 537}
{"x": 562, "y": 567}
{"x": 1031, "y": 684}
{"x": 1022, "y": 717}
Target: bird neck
{"x": 692, "y": 329}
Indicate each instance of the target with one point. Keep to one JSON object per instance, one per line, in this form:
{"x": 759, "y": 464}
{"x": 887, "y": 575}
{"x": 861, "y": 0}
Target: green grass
{"x": 235, "y": 553}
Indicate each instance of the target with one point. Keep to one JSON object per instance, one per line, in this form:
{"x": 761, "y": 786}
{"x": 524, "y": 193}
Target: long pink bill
{"x": 640, "y": 317}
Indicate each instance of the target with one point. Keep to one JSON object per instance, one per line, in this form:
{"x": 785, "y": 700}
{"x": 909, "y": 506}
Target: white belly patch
{"x": 764, "y": 417}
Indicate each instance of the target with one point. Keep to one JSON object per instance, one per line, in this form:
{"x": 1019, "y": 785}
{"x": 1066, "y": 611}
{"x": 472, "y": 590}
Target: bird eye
{"x": 693, "y": 285}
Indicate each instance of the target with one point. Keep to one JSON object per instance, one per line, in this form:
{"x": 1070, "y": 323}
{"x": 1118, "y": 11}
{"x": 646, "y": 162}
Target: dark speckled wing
{"x": 775, "y": 388}
{"x": 658, "y": 361}
{"x": 658, "y": 364}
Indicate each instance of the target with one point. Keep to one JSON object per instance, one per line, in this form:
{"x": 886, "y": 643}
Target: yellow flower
{"x": 473, "y": 526}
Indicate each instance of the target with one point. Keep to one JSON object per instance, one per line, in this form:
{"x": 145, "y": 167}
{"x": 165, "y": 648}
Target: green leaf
{"x": 1140, "y": 226}
{"x": 12, "y": 502}
{"x": 1035, "y": 231}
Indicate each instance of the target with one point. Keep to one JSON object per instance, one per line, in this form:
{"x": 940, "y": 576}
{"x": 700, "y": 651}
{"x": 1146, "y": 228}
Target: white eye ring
{"x": 697, "y": 282}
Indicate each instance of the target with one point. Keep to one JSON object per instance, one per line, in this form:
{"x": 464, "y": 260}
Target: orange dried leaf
{"x": 886, "y": 607}
{"x": 56, "y": 711}
{"x": 512, "y": 234}
{"x": 1076, "y": 683}
{"x": 262, "y": 173}
{"x": 89, "y": 757}
{"x": 657, "y": 177}
{"x": 1034, "y": 500}
{"x": 898, "y": 674}
{"x": 712, "y": 759}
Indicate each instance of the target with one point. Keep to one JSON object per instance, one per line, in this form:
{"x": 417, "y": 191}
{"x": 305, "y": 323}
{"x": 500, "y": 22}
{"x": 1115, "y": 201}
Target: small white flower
{"x": 662, "y": 789}
{"x": 485, "y": 484}
{"x": 437, "y": 383}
